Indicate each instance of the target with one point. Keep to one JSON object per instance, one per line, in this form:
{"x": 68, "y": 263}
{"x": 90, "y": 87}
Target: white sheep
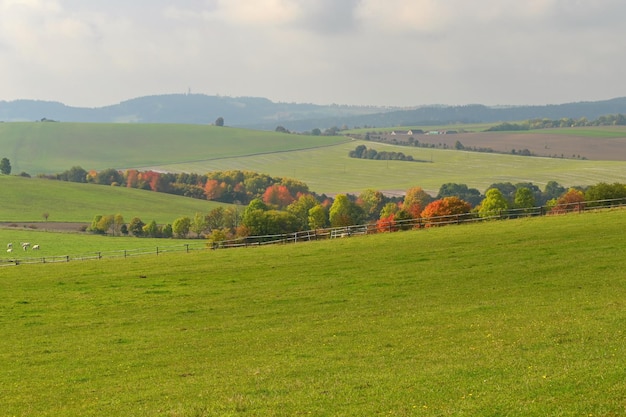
{"x": 9, "y": 250}
{"x": 35, "y": 247}
{"x": 10, "y": 245}
{"x": 25, "y": 245}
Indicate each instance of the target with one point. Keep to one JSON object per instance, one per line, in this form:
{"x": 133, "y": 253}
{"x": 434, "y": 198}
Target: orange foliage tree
{"x": 213, "y": 189}
{"x": 278, "y": 196}
{"x": 437, "y": 211}
{"x": 572, "y": 200}
{"x": 415, "y": 200}
{"x": 387, "y": 224}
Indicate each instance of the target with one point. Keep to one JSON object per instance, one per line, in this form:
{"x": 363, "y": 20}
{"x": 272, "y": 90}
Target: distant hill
{"x": 261, "y": 113}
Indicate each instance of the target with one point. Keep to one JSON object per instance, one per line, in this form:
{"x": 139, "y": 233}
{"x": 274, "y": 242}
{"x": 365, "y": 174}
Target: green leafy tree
{"x": 604, "y": 191}
{"x": 107, "y": 224}
{"x": 344, "y": 212}
{"x": 151, "y": 229}
{"x": 371, "y": 201}
{"x": 109, "y": 177}
{"x": 507, "y": 190}
{"x": 181, "y": 227}
{"x": 470, "y": 195}
{"x": 552, "y": 190}
{"x": 74, "y": 174}
{"x": 166, "y": 231}
{"x": 219, "y": 121}
{"x": 199, "y": 224}
{"x": 94, "y": 227}
{"x": 5, "y": 166}
{"x": 300, "y": 209}
{"x": 135, "y": 227}
{"x": 524, "y": 198}
{"x": 318, "y": 217}
{"x": 493, "y": 204}
{"x": 118, "y": 222}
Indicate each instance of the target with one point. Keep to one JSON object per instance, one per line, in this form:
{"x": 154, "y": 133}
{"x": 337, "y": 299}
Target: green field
{"x": 26, "y": 199}
{"x": 330, "y": 170}
{"x": 520, "y": 317}
{"x": 321, "y": 162}
{"x": 55, "y": 147}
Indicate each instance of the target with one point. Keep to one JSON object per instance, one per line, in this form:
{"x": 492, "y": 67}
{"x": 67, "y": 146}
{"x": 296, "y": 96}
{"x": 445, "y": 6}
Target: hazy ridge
{"x": 262, "y": 113}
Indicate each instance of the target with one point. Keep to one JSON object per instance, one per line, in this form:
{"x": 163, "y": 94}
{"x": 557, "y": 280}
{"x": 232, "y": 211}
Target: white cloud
{"x": 350, "y": 51}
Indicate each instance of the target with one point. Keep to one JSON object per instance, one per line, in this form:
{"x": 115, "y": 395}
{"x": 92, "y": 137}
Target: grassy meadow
{"x": 55, "y": 147}
{"x": 520, "y": 317}
{"x": 321, "y": 162}
{"x": 26, "y": 199}
{"x": 331, "y": 170}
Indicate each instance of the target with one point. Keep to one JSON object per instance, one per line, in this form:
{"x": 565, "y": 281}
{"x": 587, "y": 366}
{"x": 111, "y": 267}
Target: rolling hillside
{"x": 520, "y": 317}
{"x": 27, "y": 199}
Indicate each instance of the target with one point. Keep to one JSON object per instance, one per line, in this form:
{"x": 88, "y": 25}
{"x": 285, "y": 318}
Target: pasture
{"x": 321, "y": 162}
{"x": 521, "y": 317}
{"x": 55, "y": 147}
{"x": 27, "y": 199}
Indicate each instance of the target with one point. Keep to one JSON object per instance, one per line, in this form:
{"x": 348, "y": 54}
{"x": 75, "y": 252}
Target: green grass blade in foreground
{"x": 519, "y": 317}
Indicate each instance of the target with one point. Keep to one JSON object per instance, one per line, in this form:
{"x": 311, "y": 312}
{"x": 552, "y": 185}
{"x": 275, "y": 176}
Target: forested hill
{"x": 261, "y": 113}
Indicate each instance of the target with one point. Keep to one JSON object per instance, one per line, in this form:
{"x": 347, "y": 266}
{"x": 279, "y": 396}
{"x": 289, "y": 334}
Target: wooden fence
{"x": 327, "y": 233}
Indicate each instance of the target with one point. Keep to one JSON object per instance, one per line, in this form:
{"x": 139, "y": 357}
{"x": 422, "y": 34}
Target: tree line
{"x": 276, "y": 212}
{"x": 363, "y": 152}
{"x": 610, "y": 120}
{"x": 233, "y": 187}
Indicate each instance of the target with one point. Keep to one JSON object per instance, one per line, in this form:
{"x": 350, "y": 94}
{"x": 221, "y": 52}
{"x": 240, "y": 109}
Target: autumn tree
{"x": 572, "y": 200}
{"x": 493, "y": 204}
{"x": 214, "y": 189}
{"x": 415, "y": 200}
{"x": 438, "y": 210}
{"x": 277, "y": 196}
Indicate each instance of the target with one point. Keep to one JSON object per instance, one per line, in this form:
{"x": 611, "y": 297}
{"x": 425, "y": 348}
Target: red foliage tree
{"x": 387, "y": 224}
{"x": 278, "y": 196}
{"x": 438, "y": 210}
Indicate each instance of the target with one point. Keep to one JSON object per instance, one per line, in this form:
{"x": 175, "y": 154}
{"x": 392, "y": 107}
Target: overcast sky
{"x": 366, "y": 52}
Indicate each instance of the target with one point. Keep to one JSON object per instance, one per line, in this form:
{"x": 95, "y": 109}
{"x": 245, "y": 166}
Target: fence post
{"x": 99, "y": 255}
{"x": 187, "y": 246}
{"x": 67, "y": 258}
{"x": 157, "y": 251}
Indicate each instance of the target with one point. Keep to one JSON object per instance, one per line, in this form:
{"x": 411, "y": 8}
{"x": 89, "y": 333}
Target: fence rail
{"x": 327, "y": 233}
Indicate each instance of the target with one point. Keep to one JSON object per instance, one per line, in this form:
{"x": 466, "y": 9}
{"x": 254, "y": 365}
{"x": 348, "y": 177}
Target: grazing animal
{"x": 10, "y": 245}
{"x": 25, "y": 245}
{"x": 35, "y": 247}
{"x": 10, "y": 250}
